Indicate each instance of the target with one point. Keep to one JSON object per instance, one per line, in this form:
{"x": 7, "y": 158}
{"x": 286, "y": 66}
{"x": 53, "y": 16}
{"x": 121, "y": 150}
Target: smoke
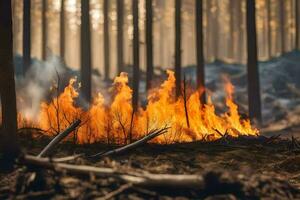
{"x": 35, "y": 86}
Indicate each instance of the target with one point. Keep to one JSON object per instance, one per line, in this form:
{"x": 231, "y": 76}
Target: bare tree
{"x": 85, "y": 41}
{"x": 199, "y": 47}
{"x": 62, "y": 30}
{"x": 149, "y": 42}
{"x": 106, "y": 39}
{"x": 178, "y": 46}
{"x": 8, "y": 132}
{"x": 252, "y": 65}
{"x": 136, "y": 54}
{"x": 120, "y": 22}
{"x": 44, "y": 29}
{"x": 26, "y": 35}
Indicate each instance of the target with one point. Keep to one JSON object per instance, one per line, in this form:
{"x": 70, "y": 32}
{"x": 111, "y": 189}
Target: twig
{"x": 185, "y": 103}
{"x": 142, "y": 179}
{"x": 143, "y": 140}
{"x": 116, "y": 192}
{"x": 58, "y": 138}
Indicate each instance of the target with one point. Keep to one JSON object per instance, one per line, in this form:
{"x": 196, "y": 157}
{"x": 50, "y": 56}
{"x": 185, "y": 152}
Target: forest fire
{"x": 116, "y": 122}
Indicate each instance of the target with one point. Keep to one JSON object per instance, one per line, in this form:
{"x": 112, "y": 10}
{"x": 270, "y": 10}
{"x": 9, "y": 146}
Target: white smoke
{"x": 35, "y": 86}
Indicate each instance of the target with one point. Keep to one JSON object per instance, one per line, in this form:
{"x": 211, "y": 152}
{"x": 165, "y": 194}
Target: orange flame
{"x": 116, "y": 122}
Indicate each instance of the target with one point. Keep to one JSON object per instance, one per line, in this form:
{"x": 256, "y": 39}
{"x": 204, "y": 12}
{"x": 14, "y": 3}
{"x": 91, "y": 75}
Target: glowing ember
{"x": 115, "y": 123}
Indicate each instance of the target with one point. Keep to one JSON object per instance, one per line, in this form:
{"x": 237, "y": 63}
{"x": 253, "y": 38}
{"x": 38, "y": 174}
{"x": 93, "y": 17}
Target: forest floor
{"x": 242, "y": 168}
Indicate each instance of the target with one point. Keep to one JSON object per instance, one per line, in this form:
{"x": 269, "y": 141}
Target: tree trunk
{"x": 216, "y": 31}
{"x": 106, "y": 39}
{"x": 26, "y": 35}
{"x": 136, "y": 60}
{"x": 252, "y": 65}
{"x": 231, "y": 7}
{"x": 62, "y": 30}
{"x": 199, "y": 48}
{"x": 269, "y": 20}
{"x": 296, "y": 24}
{"x": 44, "y": 29}
{"x": 85, "y": 42}
{"x": 120, "y": 22}
{"x": 282, "y": 24}
{"x": 149, "y": 42}
{"x": 8, "y": 135}
{"x": 178, "y": 46}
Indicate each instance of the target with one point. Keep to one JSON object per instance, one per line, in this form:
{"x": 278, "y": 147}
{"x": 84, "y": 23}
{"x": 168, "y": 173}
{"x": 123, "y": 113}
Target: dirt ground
{"x": 242, "y": 168}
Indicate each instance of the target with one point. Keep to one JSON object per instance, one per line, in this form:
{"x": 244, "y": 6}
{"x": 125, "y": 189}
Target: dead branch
{"x": 143, "y": 179}
{"x": 185, "y": 103}
{"x": 58, "y": 138}
{"x": 116, "y": 192}
{"x": 143, "y": 140}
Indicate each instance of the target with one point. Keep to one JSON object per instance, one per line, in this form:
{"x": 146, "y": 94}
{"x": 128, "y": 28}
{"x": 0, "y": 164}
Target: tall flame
{"x": 116, "y": 122}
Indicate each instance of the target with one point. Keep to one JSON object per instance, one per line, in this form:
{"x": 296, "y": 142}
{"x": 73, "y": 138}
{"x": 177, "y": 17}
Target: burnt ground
{"x": 243, "y": 168}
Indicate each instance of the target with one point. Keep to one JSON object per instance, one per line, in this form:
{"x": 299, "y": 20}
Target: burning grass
{"x": 188, "y": 118}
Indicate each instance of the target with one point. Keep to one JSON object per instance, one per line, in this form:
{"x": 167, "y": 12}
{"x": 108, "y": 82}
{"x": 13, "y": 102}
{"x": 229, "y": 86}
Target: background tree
{"x": 26, "y": 35}
{"x": 44, "y": 29}
{"x": 8, "y": 133}
{"x": 85, "y": 42}
{"x": 120, "y": 38}
{"x": 136, "y": 54}
{"x": 62, "y": 30}
{"x": 149, "y": 42}
{"x": 178, "y": 46}
{"x": 252, "y": 65}
{"x": 296, "y": 24}
{"x": 282, "y": 24}
{"x": 106, "y": 49}
{"x": 199, "y": 47}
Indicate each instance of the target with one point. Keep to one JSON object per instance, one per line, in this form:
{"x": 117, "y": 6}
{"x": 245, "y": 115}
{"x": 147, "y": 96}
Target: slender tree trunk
{"x": 232, "y": 5}
{"x": 240, "y": 22}
{"x": 44, "y": 29}
{"x": 85, "y": 41}
{"x": 199, "y": 47}
{"x": 62, "y": 30}
{"x": 269, "y": 20}
{"x": 149, "y": 42}
{"x": 120, "y": 40}
{"x": 26, "y": 35}
{"x": 282, "y": 24}
{"x": 296, "y": 24}
{"x": 8, "y": 131}
{"x": 178, "y": 46}
{"x": 216, "y": 31}
{"x": 252, "y": 65}
{"x": 136, "y": 55}
{"x": 106, "y": 39}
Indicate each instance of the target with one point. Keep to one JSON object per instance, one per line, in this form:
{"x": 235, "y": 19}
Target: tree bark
{"x": 44, "y": 29}
{"x": 120, "y": 38}
{"x": 85, "y": 41}
{"x": 26, "y": 35}
{"x": 62, "y": 30}
{"x": 178, "y": 46}
{"x": 136, "y": 54}
{"x": 252, "y": 65}
{"x": 149, "y": 42}
{"x": 199, "y": 48}
{"x": 106, "y": 39}
{"x": 8, "y": 134}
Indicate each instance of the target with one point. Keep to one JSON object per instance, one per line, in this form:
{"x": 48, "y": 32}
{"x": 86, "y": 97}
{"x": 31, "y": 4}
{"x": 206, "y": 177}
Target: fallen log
{"x": 141, "y": 178}
{"x": 48, "y": 149}
{"x": 150, "y": 136}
